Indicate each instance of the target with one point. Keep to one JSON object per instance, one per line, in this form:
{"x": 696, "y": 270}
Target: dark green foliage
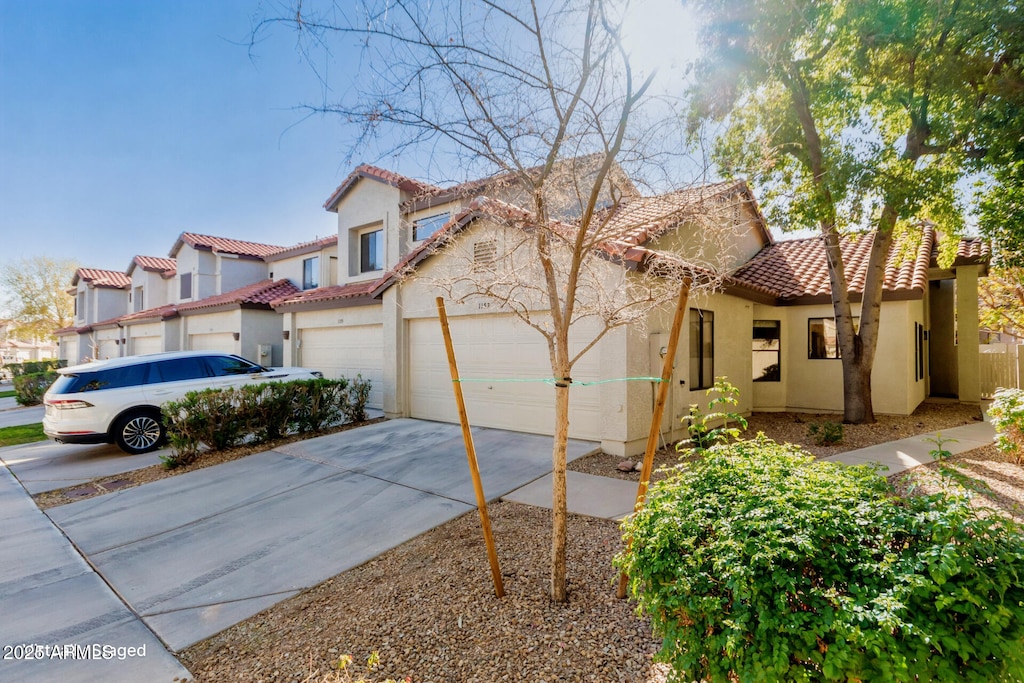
{"x": 825, "y": 433}
{"x": 30, "y": 387}
{"x": 217, "y": 419}
{"x": 35, "y": 366}
{"x": 756, "y": 563}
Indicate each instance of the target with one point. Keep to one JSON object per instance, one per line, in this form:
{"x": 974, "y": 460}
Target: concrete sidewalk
{"x": 58, "y": 610}
{"x": 196, "y": 553}
{"x": 904, "y": 454}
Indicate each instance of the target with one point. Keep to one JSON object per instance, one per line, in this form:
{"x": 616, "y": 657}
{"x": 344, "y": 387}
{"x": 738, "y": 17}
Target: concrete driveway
{"x": 14, "y": 415}
{"x": 196, "y": 553}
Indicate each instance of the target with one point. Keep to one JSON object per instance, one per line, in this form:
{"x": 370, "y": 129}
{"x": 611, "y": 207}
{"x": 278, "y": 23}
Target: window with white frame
{"x": 422, "y": 228}
{"x": 311, "y": 273}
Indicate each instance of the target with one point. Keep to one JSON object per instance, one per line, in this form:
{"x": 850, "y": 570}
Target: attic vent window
{"x": 485, "y": 253}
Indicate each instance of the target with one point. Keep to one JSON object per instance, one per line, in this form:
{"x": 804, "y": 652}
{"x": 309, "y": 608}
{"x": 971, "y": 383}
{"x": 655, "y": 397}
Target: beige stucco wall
{"x": 817, "y": 384}
{"x": 967, "y": 333}
{"x": 233, "y": 273}
{"x": 368, "y": 203}
{"x": 725, "y": 241}
{"x": 290, "y": 268}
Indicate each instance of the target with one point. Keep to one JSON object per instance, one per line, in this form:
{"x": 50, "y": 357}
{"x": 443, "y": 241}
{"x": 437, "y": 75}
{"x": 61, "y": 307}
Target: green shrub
{"x": 1007, "y": 416}
{"x": 216, "y": 419}
{"x": 708, "y": 429}
{"x": 825, "y": 433}
{"x": 33, "y": 367}
{"x": 756, "y": 563}
{"x": 29, "y": 388}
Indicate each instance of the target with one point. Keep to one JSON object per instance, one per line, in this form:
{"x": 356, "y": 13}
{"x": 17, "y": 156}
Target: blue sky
{"x": 124, "y": 123}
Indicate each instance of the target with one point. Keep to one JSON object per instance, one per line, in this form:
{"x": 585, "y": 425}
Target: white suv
{"x": 118, "y": 400}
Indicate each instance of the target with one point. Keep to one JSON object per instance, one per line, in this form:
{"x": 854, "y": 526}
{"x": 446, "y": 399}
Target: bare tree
{"x": 544, "y": 95}
{"x": 36, "y": 296}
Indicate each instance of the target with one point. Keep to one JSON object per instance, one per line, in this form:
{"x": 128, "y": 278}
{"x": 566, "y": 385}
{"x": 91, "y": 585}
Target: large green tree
{"x": 35, "y": 295}
{"x": 863, "y": 114}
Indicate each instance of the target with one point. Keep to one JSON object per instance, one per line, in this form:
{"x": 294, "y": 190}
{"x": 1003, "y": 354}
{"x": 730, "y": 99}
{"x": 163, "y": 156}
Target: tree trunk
{"x": 559, "y": 509}
{"x": 857, "y": 408}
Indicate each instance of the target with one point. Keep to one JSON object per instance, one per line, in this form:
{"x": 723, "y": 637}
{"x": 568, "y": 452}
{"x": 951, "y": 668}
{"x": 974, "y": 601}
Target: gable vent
{"x": 485, "y": 252}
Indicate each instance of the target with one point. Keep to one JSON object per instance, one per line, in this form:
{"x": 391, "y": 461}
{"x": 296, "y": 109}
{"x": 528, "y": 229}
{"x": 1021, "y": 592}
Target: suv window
{"x": 231, "y": 365}
{"x": 114, "y": 378}
{"x": 178, "y": 369}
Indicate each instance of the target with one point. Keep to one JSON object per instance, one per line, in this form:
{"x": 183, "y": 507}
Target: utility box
{"x": 266, "y": 354}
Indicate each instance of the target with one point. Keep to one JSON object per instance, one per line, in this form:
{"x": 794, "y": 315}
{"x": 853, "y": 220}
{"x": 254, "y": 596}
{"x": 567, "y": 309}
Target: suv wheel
{"x": 139, "y": 431}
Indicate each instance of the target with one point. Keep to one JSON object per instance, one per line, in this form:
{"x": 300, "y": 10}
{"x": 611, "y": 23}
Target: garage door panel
{"x": 346, "y": 352}
{"x": 141, "y": 345}
{"x": 502, "y": 349}
{"x": 214, "y": 341}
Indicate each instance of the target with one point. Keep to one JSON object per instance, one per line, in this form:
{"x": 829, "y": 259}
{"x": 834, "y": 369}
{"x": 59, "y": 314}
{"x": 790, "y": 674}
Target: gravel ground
{"x": 429, "y": 609}
{"x": 793, "y": 427}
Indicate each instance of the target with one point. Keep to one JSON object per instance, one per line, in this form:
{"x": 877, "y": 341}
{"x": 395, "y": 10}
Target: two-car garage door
{"x": 504, "y": 351}
{"x": 346, "y": 352}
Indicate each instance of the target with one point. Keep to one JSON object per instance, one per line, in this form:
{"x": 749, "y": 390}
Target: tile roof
{"x": 637, "y": 221}
{"x": 225, "y": 245}
{"x": 972, "y": 250}
{"x": 380, "y": 174}
{"x": 257, "y": 294}
{"x": 797, "y": 269}
{"x": 332, "y": 293}
{"x": 159, "y": 313}
{"x": 167, "y": 267}
{"x": 305, "y": 247}
{"x": 102, "y": 278}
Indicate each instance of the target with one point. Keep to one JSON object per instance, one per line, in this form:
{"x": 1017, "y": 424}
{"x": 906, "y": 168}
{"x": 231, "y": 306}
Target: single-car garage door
{"x": 214, "y": 341}
{"x": 107, "y": 348}
{"x": 503, "y": 349}
{"x": 141, "y": 345}
{"x": 346, "y": 352}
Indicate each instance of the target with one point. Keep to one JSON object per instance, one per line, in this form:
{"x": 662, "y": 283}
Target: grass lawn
{"x": 8, "y": 394}
{"x": 12, "y": 436}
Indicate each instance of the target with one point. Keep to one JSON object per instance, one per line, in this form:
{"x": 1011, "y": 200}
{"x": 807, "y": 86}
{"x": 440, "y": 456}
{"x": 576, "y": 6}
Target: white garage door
{"x": 346, "y": 352}
{"x": 503, "y": 349}
{"x": 141, "y": 345}
{"x": 215, "y": 341}
{"x": 107, "y": 348}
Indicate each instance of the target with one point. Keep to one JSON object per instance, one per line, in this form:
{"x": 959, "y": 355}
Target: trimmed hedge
{"x": 756, "y": 563}
{"x": 217, "y": 419}
{"x": 33, "y": 367}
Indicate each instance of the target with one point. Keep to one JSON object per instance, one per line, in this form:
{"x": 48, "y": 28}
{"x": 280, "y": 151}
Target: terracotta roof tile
{"x": 159, "y": 313}
{"x": 259, "y": 293}
{"x": 332, "y": 293}
{"x": 383, "y": 175}
{"x": 102, "y": 278}
{"x": 972, "y": 249}
{"x": 305, "y": 247}
{"x": 797, "y": 268}
{"x": 156, "y": 264}
{"x": 226, "y": 245}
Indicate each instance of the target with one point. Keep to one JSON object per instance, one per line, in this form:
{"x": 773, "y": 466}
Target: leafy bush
{"x": 825, "y": 433}
{"x": 703, "y": 434}
{"x": 33, "y": 367}
{"x": 216, "y": 419}
{"x": 1007, "y": 416}
{"x": 756, "y": 563}
{"x": 29, "y": 388}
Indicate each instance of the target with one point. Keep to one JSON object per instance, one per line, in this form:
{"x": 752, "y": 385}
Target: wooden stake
{"x": 467, "y": 437}
{"x": 659, "y": 410}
